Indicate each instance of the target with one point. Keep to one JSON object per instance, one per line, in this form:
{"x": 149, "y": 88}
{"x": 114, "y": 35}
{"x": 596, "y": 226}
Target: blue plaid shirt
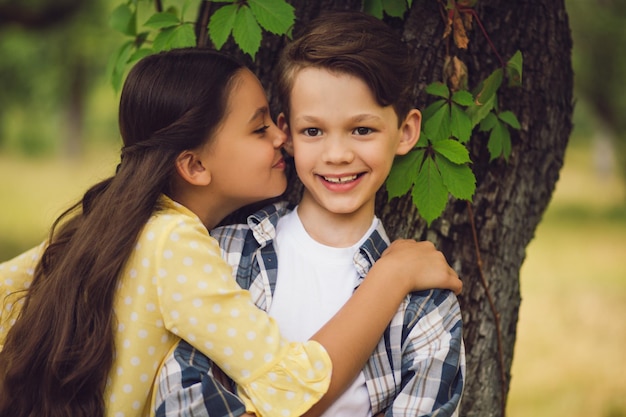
{"x": 417, "y": 369}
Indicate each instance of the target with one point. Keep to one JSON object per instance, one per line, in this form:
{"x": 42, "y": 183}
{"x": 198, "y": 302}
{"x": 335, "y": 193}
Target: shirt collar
{"x": 371, "y": 250}
{"x": 263, "y": 222}
{"x": 263, "y": 225}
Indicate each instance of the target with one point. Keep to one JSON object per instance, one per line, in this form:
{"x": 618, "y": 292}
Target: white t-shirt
{"x": 314, "y": 281}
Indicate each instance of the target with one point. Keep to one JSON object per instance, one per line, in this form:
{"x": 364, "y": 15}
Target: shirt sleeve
{"x": 201, "y": 303}
{"x": 433, "y": 359}
{"x": 186, "y": 387}
{"x": 16, "y": 276}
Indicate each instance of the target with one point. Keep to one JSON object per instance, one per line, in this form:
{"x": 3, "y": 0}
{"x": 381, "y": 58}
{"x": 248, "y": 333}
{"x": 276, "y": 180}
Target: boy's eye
{"x": 362, "y": 131}
{"x": 312, "y": 131}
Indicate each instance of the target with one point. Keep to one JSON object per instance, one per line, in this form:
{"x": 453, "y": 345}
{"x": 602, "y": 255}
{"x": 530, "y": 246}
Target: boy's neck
{"x": 338, "y": 230}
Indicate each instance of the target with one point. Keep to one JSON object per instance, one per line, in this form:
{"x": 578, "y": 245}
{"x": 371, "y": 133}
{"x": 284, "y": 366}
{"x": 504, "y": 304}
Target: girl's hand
{"x": 420, "y": 265}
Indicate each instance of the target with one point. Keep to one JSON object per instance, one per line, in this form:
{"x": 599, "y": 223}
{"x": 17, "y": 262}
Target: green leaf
{"x": 403, "y": 173}
{"x": 175, "y": 37}
{"x": 488, "y": 88}
{"x": 514, "y": 69}
{"x": 458, "y": 179}
{"x": 394, "y": 8}
{"x": 506, "y": 145}
{"x": 275, "y": 16}
{"x": 433, "y": 108}
{"x": 183, "y": 36}
{"x": 123, "y": 20}
{"x": 452, "y": 150}
{"x": 460, "y": 124}
{"x": 221, "y": 24}
{"x": 374, "y": 8}
{"x": 247, "y": 32}
{"x": 141, "y": 38}
{"x": 499, "y": 142}
{"x": 438, "y": 89}
{"x": 488, "y": 122}
{"x": 463, "y": 97}
{"x": 161, "y": 40}
{"x": 117, "y": 64}
{"x": 485, "y": 97}
{"x": 437, "y": 125}
{"x": 139, "y": 54}
{"x": 510, "y": 119}
{"x": 477, "y": 112}
{"x": 162, "y": 20}
{"x": 430, "y": 195}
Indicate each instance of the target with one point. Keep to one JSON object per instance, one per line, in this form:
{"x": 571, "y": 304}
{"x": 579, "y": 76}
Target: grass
{"x": 570, "y": 357}
{"x": 36, "y": 191}
{"x": 570, "y": 354}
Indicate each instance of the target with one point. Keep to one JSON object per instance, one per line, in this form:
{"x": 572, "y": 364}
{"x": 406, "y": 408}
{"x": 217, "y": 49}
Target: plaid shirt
{"x": 417, "y": 369}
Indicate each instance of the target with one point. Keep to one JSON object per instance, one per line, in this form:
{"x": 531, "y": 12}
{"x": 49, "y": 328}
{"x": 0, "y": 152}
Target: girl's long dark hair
{"x": 57, "y": 356}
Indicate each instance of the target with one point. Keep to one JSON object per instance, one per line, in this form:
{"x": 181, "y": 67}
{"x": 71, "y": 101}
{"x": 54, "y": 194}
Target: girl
{"x": 131, "y": 269}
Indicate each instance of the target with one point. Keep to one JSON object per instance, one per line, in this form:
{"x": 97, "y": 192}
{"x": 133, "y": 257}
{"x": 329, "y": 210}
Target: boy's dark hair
{"x": 353, "y": 43}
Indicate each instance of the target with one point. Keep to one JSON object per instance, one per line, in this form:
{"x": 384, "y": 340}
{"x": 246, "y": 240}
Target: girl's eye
{"x": 362, "y": 131}
{"x": 312, "y": 131}
{"x": 262, "y": 129}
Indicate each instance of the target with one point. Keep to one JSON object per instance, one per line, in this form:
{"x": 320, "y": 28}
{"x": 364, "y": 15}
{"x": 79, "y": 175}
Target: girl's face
{"x": 244, "y": 156}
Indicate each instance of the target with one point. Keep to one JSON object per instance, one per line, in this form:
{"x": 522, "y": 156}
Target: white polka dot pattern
{"x": 175, "y": 284}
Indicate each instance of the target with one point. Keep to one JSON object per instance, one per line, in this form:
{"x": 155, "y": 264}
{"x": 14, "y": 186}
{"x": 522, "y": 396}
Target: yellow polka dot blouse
{"x": 176, "y": 285}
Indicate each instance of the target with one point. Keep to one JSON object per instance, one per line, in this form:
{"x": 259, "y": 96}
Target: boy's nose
{"x": 337, "y": 151}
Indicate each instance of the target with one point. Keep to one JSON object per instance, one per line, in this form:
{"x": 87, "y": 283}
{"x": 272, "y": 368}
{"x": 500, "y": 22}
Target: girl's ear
{"x": 191, "y": 169}
{"x": 409, "y": 132}
{"x": 281, "y": 122}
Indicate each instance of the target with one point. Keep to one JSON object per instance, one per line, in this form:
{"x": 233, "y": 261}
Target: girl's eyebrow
{"x": 260, "y": 112}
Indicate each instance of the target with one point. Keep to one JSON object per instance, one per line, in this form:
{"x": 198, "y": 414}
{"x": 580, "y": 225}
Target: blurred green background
{"x": 58, "y": 135}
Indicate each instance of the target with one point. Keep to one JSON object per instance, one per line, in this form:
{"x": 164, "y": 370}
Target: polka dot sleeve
{"x": 201, "y": 303}
{"x": 16, "y": 276}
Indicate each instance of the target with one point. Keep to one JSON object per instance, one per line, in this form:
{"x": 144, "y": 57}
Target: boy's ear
{"x": 191, "y": 169}
{"x": 409, "y": 132}
{"x": 281, "y": 122}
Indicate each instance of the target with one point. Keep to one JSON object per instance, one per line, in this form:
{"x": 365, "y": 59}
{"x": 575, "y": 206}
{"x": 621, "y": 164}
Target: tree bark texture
{"x": 510, "y": 197}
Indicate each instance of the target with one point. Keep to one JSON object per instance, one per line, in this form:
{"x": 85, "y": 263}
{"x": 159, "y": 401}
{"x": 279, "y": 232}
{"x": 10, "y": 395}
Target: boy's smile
{"x": 344, "y": 143}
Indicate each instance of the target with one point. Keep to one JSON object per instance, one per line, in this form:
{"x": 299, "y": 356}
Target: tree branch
{"x": 42, "y": 18}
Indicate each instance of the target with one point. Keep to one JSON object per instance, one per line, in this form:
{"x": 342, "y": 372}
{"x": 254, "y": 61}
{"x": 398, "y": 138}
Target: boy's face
{"x": 343, "y": 141}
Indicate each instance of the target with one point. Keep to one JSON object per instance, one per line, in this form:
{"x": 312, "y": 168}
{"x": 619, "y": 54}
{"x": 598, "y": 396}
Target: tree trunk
{"x": 512, "y": 196}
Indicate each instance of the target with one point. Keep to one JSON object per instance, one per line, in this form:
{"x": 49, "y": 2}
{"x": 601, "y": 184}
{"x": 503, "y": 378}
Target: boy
{"x": 344, "y": 86}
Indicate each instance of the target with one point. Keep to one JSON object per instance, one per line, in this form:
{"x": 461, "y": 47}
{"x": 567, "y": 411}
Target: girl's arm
{"x": 352, "y": 334}
{"x": 246, "y": 343}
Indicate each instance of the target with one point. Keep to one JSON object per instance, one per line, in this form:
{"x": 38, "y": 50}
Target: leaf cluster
{"x": 169, "y": 28}
{"x": 439, "y": 166}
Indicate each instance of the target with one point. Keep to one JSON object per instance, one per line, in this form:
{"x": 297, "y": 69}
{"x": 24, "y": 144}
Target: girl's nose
{"x": 279, "y": 137}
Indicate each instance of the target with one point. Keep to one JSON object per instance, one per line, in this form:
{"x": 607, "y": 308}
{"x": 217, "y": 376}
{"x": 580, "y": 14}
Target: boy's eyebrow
{"x": 260, "y": 112}
{"x": 364, "y": 117}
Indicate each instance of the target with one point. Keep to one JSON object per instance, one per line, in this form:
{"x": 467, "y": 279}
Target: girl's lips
{"x": 280, "y": 164}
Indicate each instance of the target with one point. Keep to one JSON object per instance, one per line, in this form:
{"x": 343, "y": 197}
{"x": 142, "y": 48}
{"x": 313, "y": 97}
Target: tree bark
{"x": 510, "y": 197}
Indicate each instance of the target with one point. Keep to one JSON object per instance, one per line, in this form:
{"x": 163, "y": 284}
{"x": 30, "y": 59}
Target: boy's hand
{"x": 419, "y": 264}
